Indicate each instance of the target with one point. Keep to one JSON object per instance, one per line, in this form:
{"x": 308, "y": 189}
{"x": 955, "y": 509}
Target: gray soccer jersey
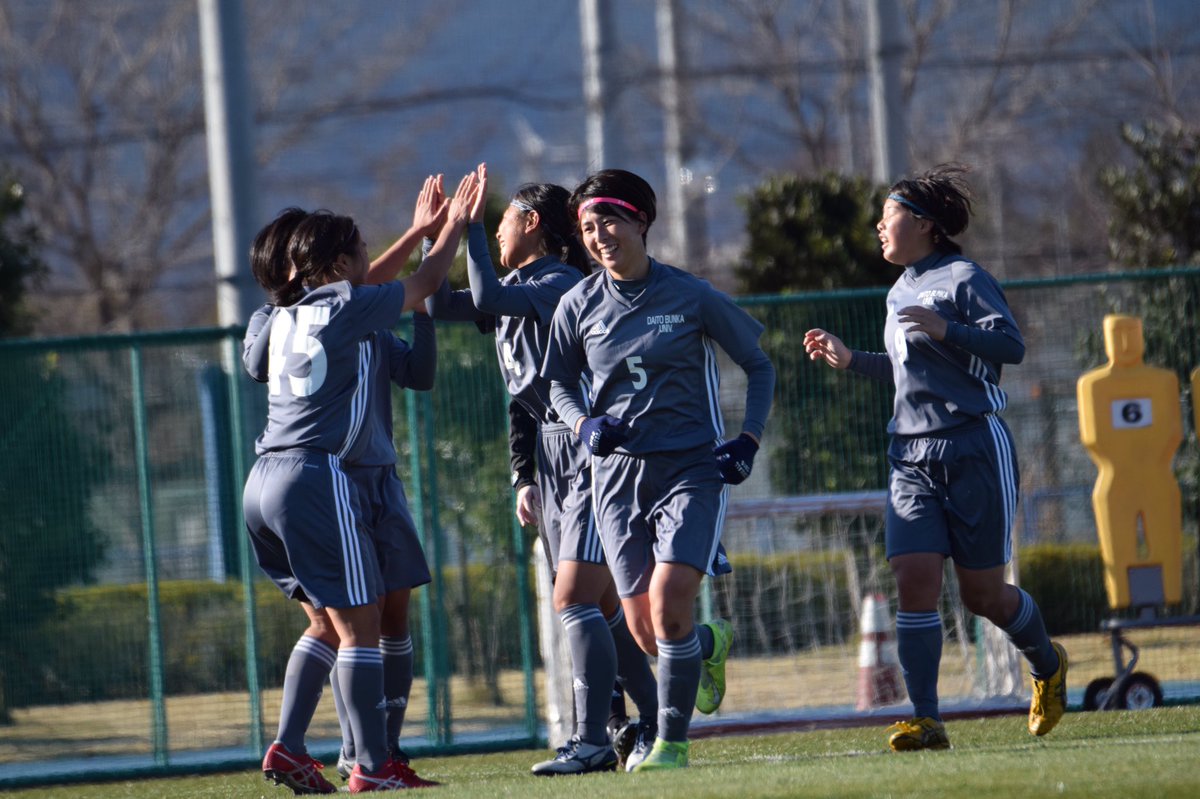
{"x": 254, "y": 346}
{"x": 406, "y": 367}
{"x": 941, "y": 385}
{"x": 518, "y": 309}
{"x": 397, "y": 362}
{"x": 319, "y": 380}
{"x": 653, "y": 358}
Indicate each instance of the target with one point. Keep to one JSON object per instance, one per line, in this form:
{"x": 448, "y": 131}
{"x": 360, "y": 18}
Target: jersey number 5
{"x": 634, "y": 362}
{"x": 297, "y": 336}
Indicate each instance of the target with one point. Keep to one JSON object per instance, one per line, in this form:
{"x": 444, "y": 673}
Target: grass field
{"x": 1149, "y": 753}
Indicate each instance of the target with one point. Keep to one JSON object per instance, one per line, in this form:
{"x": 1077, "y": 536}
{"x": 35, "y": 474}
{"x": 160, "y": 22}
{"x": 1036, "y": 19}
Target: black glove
{"x": 603, "y": 434}
{"x": 735, "y": 458}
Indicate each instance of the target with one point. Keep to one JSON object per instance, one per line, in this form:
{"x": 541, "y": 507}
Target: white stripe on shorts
{"x": 1008, "y": 479}
{"x": 718, "y": 530}
{"x": 593, "y": 551}
{"x": 352, "y": 562}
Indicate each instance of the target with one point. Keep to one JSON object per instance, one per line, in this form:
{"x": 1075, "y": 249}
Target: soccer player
{"x": 537, "y": 243}
{"x": 646, "y": 332}
{"x": 952, "y": 489}
{"x": 386, "y": 507}
{"x": 304, "y": 516}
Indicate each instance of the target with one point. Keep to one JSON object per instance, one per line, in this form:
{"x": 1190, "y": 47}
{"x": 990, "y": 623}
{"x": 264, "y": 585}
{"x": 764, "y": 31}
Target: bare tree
{"x": 101, "y": 116}
{"x": 1022, "y": 90}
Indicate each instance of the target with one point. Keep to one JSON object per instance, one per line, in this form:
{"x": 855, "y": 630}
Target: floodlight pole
{"x": 685, "y": 191}
{"x": 595, "y": 28}
{"x": 885, "y": 56}
{"x": 228, "y": 123}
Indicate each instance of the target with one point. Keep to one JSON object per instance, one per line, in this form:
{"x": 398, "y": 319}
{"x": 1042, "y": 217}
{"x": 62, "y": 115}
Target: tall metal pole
{"x": 595, "y": 27}
{"x": 684, "y": 194}
{"x": 227, "y": 117}
{"x": 885, "y": 56}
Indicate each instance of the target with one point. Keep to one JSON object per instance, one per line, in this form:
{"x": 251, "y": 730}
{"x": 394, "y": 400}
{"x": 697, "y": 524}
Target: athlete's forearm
{"x": 388, "y": 265}
{"x": 760, "y": 390}
{"x": 876, "y": 365}
{"x": 997, "y": 346}
{"x": 522, "y": 442}
{"x": 434, "y": 266}
{"x": 422, "y": 362}
{"x": 488, "y": 294}
{"x": 568, "y": 403}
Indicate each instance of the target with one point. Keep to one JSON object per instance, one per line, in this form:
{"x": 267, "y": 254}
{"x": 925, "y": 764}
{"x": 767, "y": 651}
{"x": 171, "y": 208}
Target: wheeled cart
{"x": 1129, "y": 689}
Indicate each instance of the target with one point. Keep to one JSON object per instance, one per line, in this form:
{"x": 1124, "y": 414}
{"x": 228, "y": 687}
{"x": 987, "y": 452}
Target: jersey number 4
{"x": 296, "y": 336}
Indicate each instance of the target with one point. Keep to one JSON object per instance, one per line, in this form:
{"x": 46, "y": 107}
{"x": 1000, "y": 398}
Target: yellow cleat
{"x": 712, "y": 671}
{"x": 665, "y": 755}
{"x": 917, "y": 734}
{"x": 1049, "y": 697}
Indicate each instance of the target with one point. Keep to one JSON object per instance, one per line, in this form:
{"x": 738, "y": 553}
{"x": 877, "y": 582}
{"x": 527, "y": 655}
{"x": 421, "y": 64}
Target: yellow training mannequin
{"x": 1131, "y": 424}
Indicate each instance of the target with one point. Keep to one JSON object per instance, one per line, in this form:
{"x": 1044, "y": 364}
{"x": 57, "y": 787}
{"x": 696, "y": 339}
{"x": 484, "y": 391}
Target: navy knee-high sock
{"x": 360, "y": 679}
{"x": 593, "y": 669}
{"x": 678, "y": 680}
{"x": 1027, "y": 631}
{"x": 919, "y": 645}
{"x": 397, "y": 682}
{"x": 307, "y": 670}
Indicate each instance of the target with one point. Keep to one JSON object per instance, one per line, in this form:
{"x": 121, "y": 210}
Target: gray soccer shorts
{"x": 955, "y": 495}
{"x": 666, "y": 507}
{"x": 564, "y": 477}
{"x": 401, "y": 558}
{"x": 304, "y": 516}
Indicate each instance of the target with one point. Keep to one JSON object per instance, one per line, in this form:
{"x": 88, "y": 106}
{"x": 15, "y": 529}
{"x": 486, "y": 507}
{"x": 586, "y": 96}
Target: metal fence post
{"x": 158, "y": 732}
{"x": 245, "y": 567}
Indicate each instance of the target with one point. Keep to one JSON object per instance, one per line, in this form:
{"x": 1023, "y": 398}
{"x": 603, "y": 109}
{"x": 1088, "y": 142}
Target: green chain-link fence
{"x": 129, "y": 643}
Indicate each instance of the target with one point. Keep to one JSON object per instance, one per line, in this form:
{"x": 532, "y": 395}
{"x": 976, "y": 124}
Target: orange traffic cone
{"x": 879, "y": 681}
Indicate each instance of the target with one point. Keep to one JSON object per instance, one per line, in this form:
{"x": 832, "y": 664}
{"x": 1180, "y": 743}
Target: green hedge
{"x": 1067, "y": 581}
{"x": 94, "y": 645}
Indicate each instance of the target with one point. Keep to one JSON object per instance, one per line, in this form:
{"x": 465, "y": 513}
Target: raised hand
{"x": 821, "y": 345}
{"x": 464, "y": 199}
{"x": 431, "y": 208}
{"x": 481, "y": 200}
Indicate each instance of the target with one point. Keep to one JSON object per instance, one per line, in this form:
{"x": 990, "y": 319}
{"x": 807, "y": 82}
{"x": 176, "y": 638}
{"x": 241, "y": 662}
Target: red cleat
{"x": 393, "y": 776}
{"x": 301, "y": 773}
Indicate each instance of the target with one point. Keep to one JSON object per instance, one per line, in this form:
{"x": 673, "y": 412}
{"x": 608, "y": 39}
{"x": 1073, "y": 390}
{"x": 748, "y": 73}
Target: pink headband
{"x": 588, "y": 203}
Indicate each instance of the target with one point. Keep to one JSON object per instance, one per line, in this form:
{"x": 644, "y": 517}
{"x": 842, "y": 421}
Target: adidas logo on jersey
{"x": 599, "y": 329}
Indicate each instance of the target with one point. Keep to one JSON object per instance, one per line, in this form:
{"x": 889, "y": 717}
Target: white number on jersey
{"x": 299, "y": 333}
{"x": 900, "y": 343}
{"x": 510, "y": 363}
{"x": 639, "y": 374}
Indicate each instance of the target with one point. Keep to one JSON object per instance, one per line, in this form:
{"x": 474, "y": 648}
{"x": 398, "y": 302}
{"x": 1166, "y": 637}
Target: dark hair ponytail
{"x": 269, "y": 262}
{"x": 942, "y": 196}
{"x": 558, "y": 231}
{"x": 314, "y": 249}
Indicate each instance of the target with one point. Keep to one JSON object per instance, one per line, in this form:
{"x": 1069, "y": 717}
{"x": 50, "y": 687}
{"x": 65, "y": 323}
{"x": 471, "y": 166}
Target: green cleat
{"x": 665, "y": 755}
{"x": 917, "y": 734}
{"x": 1049, "y": 697}
{"x": 712, "y": 671}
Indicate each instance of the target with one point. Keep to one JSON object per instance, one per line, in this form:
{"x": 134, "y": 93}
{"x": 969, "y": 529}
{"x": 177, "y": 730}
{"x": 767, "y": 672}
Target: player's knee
{"x": 986, "y": 604}
{"x": 645, "y": 640}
